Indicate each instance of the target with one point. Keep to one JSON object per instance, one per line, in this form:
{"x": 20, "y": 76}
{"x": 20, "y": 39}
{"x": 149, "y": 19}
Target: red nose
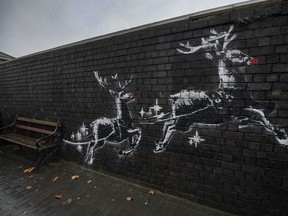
{"x": 254, "y": 61}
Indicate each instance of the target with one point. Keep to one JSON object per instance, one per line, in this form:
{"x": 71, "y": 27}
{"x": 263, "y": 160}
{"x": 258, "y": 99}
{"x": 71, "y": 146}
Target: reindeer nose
{"x": 254, "y": 61}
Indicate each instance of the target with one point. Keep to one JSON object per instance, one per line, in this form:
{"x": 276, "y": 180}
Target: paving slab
{"x": 93, "y": 193}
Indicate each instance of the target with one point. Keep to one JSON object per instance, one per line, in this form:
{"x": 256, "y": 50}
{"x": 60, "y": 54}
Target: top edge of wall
{"x": 150, "y": 25}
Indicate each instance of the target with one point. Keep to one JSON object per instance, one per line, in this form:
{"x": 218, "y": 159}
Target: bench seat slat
{"x": 36, "y": 121}
{"x": 38, "y": 130}
{"x": 24, "y": 141}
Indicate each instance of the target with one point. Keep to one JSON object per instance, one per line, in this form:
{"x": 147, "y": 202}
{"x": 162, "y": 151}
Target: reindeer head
{"x": 238, "y": 57}
{"x": 117, "y": 90}
{"x": 216, "y": 47}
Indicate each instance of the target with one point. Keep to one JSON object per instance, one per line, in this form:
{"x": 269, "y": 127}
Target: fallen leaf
{"x": 58, "y": 196}
{"x": 89, "y": 181}
{"x": 29, "y": 170}
{"x": 29, "y": 187}
{"x": 151, "y": 192}
{"x": 129, "y": 198}
{"x": 55, "y": 178}
{"x": 74, "y": 177}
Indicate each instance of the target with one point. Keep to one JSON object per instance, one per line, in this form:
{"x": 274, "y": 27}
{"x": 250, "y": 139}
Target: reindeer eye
{"x": 218, "y": 100}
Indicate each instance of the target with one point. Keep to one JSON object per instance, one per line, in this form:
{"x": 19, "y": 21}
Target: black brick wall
{"x": 242, "y": 170}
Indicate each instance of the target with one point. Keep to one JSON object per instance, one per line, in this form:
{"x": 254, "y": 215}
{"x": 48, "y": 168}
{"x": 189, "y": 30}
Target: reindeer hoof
{"x": 90, "y": 162}
{"x": 159, "y": 147}
{"x": 282, "y": 141}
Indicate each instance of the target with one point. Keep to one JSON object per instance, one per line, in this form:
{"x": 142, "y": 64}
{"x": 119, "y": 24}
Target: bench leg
{"x": 44, "y": 155}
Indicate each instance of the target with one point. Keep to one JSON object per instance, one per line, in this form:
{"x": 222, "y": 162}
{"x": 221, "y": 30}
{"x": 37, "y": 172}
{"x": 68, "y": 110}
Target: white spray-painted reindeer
{"x": 114, "y": 130}
{"x": 212, "y": 107}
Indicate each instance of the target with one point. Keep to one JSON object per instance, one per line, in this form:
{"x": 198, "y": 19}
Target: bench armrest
{"x": 9, "y": 127}
{"x": 53, "y": 138}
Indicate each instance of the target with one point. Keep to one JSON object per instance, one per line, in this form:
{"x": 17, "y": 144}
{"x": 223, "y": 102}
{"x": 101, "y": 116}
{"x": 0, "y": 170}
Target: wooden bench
{"x": 40, "y": 135}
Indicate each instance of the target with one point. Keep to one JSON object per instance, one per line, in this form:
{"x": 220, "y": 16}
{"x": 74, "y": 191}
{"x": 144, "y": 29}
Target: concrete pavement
{"x": 93, "y": 193}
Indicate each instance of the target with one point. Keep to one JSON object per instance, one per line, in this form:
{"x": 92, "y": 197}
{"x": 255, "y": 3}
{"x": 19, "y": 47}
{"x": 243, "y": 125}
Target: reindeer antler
{"x": 211, "y": 41}
{"x": 190, "y": 48}
{"x": 119, "y": 83}
{"x": 103, "y": 81}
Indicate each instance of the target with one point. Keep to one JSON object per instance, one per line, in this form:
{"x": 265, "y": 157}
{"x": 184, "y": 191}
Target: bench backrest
{"x": 34, "y": 127}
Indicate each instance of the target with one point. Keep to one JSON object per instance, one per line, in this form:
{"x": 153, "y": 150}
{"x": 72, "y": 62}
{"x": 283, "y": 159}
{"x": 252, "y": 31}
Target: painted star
{"x": 196, "y": 139}
{"x": 83, "y": 129}
{"x": 73, "y": 136}
{"x": 79, "y": 148}
{"x": 156, "y": 107}
{"x": 78, "y": 136}
{"x": 142, "y": 112}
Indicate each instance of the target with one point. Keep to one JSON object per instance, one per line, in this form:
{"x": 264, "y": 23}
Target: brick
{"x": 259, "y": 78}
{"x": 272, "y": 78}
{"x": 281, "y": 20}
{"x": 262, "y": 163}
{"x": 267, "y": 50}
{"x": 276, "y": 40}
{"x": 268, "y": 22}
{"x": 232, "y": 166}
{"x": 272, "y": 59}
{"x": 245, "y": 35}
{"x": 273, "y": 156}
{"x": 197, "y": 24}
{"x": 252, "y": 42}
{"x": 265, "y": 41}
{"x": 266, "y": 147}
{"x": 254, "y": 145}
{"x": 281, "y": 49}
{"x": 250, "y": 199}
{"x": 259, "y": 86}
{"x": 220, "y": 19}
{"x": 272, "y": 9}
{"x": 280, "y": 68}
{"x": 284, "y": 58}
{"x": 284, "y": 10}
{"x": 267, "y": 32}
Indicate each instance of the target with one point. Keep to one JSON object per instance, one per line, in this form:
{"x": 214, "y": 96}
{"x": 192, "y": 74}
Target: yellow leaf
{"x": 74, "y": 177}
{"x": 55, "y": 178}
{"x": 58, "y": 196}
{"x": 129, "y": 198}
{"x": 151, "y": 192}
{"x": 29, "y": 170}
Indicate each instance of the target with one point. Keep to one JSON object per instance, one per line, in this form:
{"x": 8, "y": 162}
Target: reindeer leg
{"x": 133, "y": 141}
{"x": 168, "y": 131}
{"x": 257, "y": 116}
{"x": 88, "y": 152}
{"x": 92, "y": 151}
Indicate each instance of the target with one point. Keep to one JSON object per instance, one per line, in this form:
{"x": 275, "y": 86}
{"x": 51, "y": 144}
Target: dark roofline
{"x": 4, "y": 56}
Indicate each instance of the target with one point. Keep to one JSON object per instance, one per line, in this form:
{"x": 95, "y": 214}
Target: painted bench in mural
{"x": 39, "y": 135}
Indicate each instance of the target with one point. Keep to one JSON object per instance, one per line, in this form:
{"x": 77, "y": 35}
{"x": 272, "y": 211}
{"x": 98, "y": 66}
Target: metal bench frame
{"x": 47, "y": 143}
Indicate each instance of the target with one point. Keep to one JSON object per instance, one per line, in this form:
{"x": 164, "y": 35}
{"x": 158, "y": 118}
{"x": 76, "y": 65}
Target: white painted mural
{"x": 192, "y": 107}
{"x": 189, "y": 108}
{"x": 113, "y": 130}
